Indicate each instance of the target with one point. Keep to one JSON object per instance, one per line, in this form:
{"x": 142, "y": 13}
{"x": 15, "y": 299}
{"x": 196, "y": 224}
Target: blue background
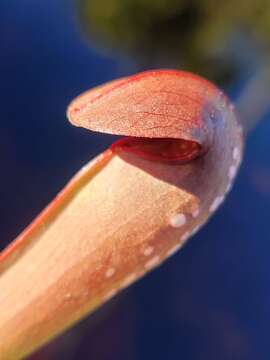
{"x": 212, "y": 299}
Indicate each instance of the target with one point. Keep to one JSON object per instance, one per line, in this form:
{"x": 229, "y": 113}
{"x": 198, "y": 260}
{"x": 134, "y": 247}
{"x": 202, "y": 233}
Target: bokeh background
{"x": 211, "y": 300}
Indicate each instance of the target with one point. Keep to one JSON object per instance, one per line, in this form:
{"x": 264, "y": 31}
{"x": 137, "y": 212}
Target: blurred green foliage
{"x": 195, "y": 35}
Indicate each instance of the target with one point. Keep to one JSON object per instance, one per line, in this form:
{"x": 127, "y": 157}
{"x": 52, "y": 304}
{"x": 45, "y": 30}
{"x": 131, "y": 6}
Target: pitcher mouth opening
{"x": 169, "y": 150}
